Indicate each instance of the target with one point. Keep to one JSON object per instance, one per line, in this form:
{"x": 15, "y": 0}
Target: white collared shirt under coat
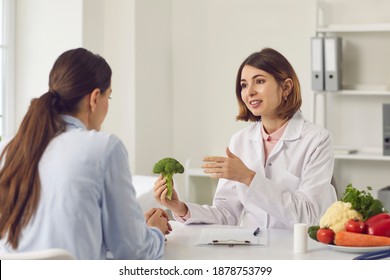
{"x": 293, "y": 185}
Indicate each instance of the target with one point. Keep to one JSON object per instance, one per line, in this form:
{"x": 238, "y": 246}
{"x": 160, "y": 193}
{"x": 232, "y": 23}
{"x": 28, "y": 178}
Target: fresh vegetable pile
{"x": 357, "y": 220}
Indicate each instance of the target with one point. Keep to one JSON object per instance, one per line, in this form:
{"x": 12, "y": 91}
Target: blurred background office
{"x": 174, "y": 67}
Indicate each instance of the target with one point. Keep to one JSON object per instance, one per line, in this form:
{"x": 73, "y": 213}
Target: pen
{"x": 381, "y": 254}
{"x": 256, "y": 232}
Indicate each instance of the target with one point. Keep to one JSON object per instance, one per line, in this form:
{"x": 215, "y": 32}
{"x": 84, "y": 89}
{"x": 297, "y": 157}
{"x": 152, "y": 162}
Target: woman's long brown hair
{"x": 75, "y": 74}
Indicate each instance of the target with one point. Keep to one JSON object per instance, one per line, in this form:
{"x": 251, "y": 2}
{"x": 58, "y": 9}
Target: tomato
{"x": 355, "y": 225}
{"x": 381, "y": 228}
{"x": 325, "y": 235}
{"x": 377, "y": 218}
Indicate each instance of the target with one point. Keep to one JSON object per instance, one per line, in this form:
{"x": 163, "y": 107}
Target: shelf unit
{"x": 346, "y": 28}
{"x": 323, "y": 29}
{"x": 364, "y": 154}
{"x": 369, "y": 153}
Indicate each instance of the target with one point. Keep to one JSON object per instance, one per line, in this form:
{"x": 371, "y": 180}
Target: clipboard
{"x": 232, "y": 236}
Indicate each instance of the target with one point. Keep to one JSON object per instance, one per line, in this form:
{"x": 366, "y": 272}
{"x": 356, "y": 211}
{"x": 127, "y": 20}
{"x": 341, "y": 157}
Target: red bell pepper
{"x": 379, "y": 225}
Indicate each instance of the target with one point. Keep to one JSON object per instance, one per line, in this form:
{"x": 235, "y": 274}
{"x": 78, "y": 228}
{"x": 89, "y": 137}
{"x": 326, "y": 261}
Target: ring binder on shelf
{"x": 386, "y": 129}
{"x": 317, "y": 64}
{"x": 332, "y": 48}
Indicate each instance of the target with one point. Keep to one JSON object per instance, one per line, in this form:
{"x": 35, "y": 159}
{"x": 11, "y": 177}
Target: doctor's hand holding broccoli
{"x": 164, "y": 192}
{"x": 230, "y": 167}
{"x": 174, "y": 204}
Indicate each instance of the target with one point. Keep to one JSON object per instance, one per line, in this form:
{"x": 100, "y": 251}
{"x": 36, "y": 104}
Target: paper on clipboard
{"x": 235, "y": 236}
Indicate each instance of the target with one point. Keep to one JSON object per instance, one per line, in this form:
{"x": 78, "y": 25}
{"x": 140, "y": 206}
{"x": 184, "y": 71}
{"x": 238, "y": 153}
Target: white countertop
{"x": 182, "y": 242}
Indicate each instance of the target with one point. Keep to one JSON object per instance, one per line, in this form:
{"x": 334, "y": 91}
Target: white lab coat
{"x": 293, "y": 185}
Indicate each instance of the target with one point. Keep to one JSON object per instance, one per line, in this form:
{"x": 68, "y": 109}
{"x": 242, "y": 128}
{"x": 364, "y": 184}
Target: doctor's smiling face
{"x": 267, "y": 87}
{"x": 260, "y": 92}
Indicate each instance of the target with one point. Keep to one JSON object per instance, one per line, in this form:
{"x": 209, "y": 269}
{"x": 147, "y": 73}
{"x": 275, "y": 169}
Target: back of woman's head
{"x": 274, "y": 63}
{"x": 75, "y": 74}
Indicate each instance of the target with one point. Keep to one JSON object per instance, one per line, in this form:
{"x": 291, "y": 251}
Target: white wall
{"x": 43, "y": 31}
{"x": 153, "y": 84}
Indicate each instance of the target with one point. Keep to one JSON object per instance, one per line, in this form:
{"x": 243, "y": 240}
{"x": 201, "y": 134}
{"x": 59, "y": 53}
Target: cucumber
{"x": 312, "y": 231}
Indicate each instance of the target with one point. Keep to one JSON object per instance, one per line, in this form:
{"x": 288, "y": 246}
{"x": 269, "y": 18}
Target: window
{"x": 6, "y": 65}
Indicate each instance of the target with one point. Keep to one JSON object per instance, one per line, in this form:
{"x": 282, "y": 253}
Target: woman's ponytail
{"x": 19, "y": 183}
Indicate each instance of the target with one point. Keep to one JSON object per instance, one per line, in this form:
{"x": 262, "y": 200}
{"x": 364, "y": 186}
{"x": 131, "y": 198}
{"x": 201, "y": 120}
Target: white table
{"x": 181, "y": 245}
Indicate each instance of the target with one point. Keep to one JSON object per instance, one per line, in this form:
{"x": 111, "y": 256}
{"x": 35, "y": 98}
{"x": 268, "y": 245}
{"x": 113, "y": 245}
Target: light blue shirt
{"x": 88, "y": 204}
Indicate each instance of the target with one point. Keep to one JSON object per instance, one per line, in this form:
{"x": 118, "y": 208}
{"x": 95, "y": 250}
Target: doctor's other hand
{"x": 160, "y": 194}
{"x": 230, "y": 167}
{"x": 158, "y": 218}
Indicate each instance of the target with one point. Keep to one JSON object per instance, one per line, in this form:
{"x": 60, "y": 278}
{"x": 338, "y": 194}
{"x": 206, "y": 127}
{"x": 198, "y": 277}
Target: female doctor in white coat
{"x": 278, "y": 170}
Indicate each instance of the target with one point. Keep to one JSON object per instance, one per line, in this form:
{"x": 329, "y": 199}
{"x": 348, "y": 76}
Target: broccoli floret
{"x": 167, "y": 167}
{"x": 375, "y": 208}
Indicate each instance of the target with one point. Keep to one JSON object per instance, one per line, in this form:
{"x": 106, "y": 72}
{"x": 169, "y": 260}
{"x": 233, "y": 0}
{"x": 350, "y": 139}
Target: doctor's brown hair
{"x": 274, "y": 63}
{"x": 75, "y": 74}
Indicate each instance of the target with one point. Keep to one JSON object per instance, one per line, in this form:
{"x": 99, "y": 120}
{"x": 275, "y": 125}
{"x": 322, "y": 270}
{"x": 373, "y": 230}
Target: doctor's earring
{"x": 285, "y": 98}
